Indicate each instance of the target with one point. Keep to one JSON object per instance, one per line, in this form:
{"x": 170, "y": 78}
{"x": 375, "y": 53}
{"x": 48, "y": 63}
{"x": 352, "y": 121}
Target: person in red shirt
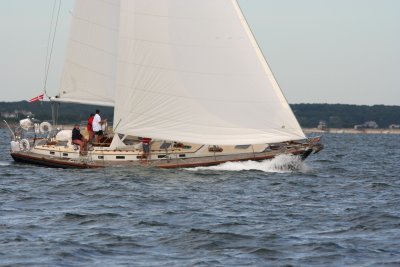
{"x": 89, "y": 127}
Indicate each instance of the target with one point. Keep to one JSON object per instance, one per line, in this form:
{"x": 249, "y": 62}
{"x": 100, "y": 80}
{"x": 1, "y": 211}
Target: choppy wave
{"x": 5, "y": 163}
{"x": 344, "y": 212}
{"x": 280, "y": 164}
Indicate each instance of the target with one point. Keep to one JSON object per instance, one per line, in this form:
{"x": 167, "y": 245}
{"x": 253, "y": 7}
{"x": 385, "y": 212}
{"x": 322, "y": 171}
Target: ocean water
{"x": 340, "y": 207}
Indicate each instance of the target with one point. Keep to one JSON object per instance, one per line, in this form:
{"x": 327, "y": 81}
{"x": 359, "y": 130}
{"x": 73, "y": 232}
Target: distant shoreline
{"x": 352, "y": 131}
{"x": 305, "y": 130}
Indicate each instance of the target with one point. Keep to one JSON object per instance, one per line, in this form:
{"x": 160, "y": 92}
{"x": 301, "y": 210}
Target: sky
{"x": 320, "y": 51}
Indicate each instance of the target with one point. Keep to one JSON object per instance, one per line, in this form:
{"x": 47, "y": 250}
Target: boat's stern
{"x": 14, "y": 146}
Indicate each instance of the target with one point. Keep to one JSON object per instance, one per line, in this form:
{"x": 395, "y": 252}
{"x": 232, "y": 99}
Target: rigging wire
{"x": 48, "y": 43}
{"x": 52, "y": 35}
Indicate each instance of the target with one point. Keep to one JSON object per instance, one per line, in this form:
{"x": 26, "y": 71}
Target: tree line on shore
{"x": 308, "y": 115}
{"x": 344, "y": 115}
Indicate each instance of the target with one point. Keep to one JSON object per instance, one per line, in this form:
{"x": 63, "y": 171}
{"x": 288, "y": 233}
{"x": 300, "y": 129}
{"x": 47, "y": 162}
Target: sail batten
{"x": 83, "y": 101}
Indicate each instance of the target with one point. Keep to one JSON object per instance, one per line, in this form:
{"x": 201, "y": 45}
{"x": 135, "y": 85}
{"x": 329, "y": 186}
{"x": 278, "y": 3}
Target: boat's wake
{"x": 282, "y": 164}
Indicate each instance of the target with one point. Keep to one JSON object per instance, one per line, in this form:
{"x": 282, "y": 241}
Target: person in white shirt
{"x": 96, "y": 124}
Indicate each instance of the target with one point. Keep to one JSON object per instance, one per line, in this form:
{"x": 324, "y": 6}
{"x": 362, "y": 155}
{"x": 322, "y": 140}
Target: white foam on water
{"x": 5, "y": 163}
{"x": 282, "y": 164}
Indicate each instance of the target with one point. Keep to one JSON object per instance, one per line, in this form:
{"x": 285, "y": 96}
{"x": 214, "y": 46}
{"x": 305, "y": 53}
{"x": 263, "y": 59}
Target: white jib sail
{"x": 191, "y": 70}
{"x": 90, "y": 67}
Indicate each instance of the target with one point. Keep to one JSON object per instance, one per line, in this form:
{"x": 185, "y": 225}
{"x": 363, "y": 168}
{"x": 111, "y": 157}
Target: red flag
{"x": 39, "y": 97}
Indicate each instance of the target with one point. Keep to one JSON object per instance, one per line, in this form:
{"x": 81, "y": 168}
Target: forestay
{"x": 191, "y": 70}
{"x": 90, "y": 67}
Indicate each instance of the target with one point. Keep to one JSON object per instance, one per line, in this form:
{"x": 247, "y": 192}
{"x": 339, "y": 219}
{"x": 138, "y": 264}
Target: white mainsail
{"x": 191, "y": 70}
{"x": 90, "y": 67}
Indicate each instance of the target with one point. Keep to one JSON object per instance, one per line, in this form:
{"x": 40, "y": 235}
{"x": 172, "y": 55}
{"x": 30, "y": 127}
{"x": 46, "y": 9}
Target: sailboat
{"x": 188, "y": 74}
